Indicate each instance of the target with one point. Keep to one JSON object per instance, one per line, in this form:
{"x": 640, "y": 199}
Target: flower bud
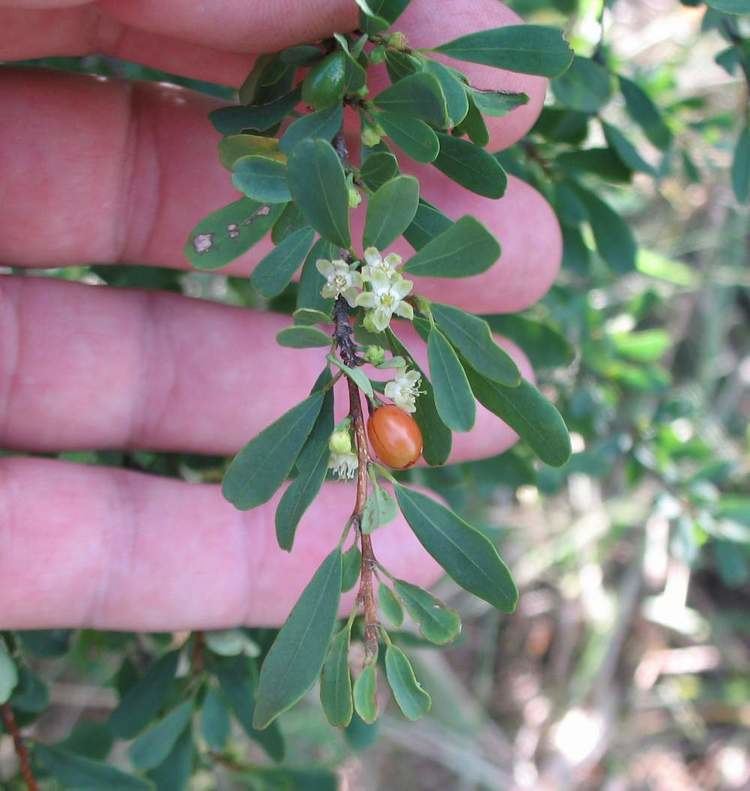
{"x": 354, "y": 197}
{"x": 375, "y": 355}
{"x": 370, "y": 137}
{"x": 397, "y": 41}
{"x": 340, "y": 441}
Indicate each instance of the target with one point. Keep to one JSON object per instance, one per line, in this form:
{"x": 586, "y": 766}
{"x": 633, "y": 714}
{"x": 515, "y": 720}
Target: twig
{"x": 11, "y": 726}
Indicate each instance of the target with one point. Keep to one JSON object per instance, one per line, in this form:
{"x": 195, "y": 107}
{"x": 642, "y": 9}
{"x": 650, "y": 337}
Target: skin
{"x": 103, "y": 171}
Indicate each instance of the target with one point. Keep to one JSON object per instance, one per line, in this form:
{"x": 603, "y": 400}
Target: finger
{"x": 92, "y": 547}
{"x": 103, "y": 172}
{"x": 156, "y": 370}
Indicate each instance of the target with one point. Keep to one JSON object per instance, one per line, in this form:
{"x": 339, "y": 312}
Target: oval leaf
{"x": 437, "y": 623}
{"x": 454, "y": 90}
{"x": 336, "y": 681}
{"x": 380, "y": 509}
{"x": 262, "y": 179}
{"x": 273, "y": 273}
{"x": 378, "y": 168}
{"x": 412, "y": 699}
{"x": 390, "y": 605}
{"x": 470, "y": 166}
{"x": 390, "y": 211}
{"x": 419, "y": 96}
{"x": 259, "y": 118}
{"x": 75, "y": 771}
{"x": 466, "y": 248}
{"x": 357, "y": 375}
{"x": 317, "y": 182}
{"x": 322, "y": 125}
{"x": 296, "y": 656}
{"x": 413, "y": 136}
{"x": 530, "y": 49}
{"x": 258, "y": 470}
{"x": 153, "y": 746}
{"x": 365, "y": 694}
{"x": 467, "y": 555}
{"x": 215, "y": 721}
{"x": 350, "y": 568}
{"x": 585, "y": 86}
{"x": 235, "y": 147}
{"x": 453, "y": 397}
{"x": 303, "y": 337}
{"x": 428, "y": 223}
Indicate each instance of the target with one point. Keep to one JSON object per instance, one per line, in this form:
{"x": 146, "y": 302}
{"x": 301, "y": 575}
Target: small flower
{"x": 374, "y": 263}
{"x": 341, "y": 280}
{"x": 375, "y": 355}
{"x": 344, "y": 465}
{"x": 386, "y": 298}
{"x": 340, "y": 441}
{"x": 404, "y": 389}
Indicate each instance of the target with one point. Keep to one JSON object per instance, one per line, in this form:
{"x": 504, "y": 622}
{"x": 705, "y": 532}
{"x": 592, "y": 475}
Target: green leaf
{"x": 262, "y": 179}
{"x": 497, "y": 103}
{"x": 624, "y": 149}
{"x": 390, "y": 605}
{"x": 31, "y": 694}
{"x": 308, "y": 316}
{"x": 275, "y": 270}
{"x": 322, "y": 125}
{"x": 437, "y": 623}
{"x": 350, "y": 568}
{"x": 296, "y": 656}
{"x": 415, "y": 137}
{"x": 380, "y": 509}
{"x": 529, "y": 49}
{"x": 418, "y": 95}
{"x": 378, "y": 168}
{"x": 301, "y": 55}
{"x": 470, "y": 166}
{"x": 412, "y": 699}
{"x": 401, "y": 64}
{"x": 604, "y": 163}
{"x": 585, "y": 86}
{"x": 153, "y": 746}
{"x": 545, "y": 346}
{"x": 473, "y": 125}
{"x": 299, "y": 337}
{"x": 142, "y": 701}
{"x": 730, "y": 6}
{"x": 46, "y": 643}
{"x": 259, "y": 118}
{"x": 473, "y": 339}
{"x": 614, "y": 239}
{"x": 365, "y": 694}
{"x": 741, "y": 167}
{"x": 453, "y": 397}
{"x": 8, "y": 673}
{"x": 215, "y": 722}
{"x": 466, "y": 248}
{"x": 357, "y": 375}
{"x": 229, "y": 232}
{"x": 236, "y": 677}
{"x": 258, "y": 470}
{"x": 311, "y": 281}
{"x": 90, "y": 739}
{"x": 336, "y": 681}
{"x": 468, "y": 557}
{"x": 250, "y": 88}
{"x": 312, "y": 465}
{"x": 390, "y": 10}
{"x": 436, "y": 435}
{"x": 235, "y": 147}
{"x": 316, "y": 180}
{"x": 174, "y": 773}
{"x": 454, "y": 90}
{"x": 645, "y": 113}
{"x": 529, "y": 414}
{"x": 83, "y": 774}
{"x": 645, "y": 346}
{"x": 390, "y": 210}
{"x": 428, "y": 223}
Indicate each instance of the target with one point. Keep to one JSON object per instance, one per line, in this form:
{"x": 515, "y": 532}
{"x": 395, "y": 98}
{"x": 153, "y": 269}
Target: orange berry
{"x": 395, "y": 437}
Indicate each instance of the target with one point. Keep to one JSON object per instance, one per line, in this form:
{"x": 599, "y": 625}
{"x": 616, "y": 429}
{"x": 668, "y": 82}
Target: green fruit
{"x": 326, "y": 84}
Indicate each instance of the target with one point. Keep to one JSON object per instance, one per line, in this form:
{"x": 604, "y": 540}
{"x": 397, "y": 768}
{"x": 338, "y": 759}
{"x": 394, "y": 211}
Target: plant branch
{"x": 11, "y": 726}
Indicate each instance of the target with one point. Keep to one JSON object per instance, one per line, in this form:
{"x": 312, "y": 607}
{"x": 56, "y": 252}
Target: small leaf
{"x": 312, "y": 465}
{"x": 174, "y": 773}
{"x": 235, "y": 147}
{"x": 84, "y": 774}
{"x": 378, "y": 168}
{"x": 454, "y": 90}
{"x": 311, "y": 281}
{"x": 322, "y": 125}
{"x": 357, "y": 375}
{"x": 142, "y": 701}
{"x": 413, "y": 136}
{"x": 497, "y": 103}
{"x": 258, "y": 470}
{"x": 627, "y": 152}
{"x": 473, "y": 339}
{"x": 402, "y": 64}
{"x": 8, "y": 673}
{"x": 645, "y": 113}
{"x": 473, "y": 125}
{"x": 412, "y": 699}
{"x": 466, "y": 248}
{"x": 31, "y": 694}
{"x": 468, "y": 557}
{"x": 529, "y": 414}
{"x": 296, "y": 656}
{"x": 453, "y": 397}
{"x": 529, "y": 49}
{"x": 585, "y": 86}
{"x": 309, "y": 316}
{"x": 153, "y": 746}
{"x": 437, "y": 436}
{"x": 336, "y": 681}
{"x": 300, "y": 337}
{"x": 275, "y": 270}
{"x": 390, "y": 210}
{"x": 259, "y": 118}
{"x": 470, "y": 166}
{"x": 301, "y": 55}
{"x": 741, "y": 167}
{"x": 262, "y": 179}
{"x": 290, "y": 220}
{"x": 418, "y": 95}
{"x": 437, "y": 623}
{"x": 428, "y": 223}
{"x": 365, "y": 694}
{"x": 390, "y": 605}
{"x": 350, "y": 568}
{"x": 215, "y": 722}
{"x": 316, "y": 180}
{"x": 380, "y": 509}
{"x": 229, "y": 232}
{"x": 614, "y": 239}
{"x": 543, "y": 344}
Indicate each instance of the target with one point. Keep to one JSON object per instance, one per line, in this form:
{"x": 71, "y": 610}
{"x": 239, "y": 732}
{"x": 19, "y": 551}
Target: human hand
{"x": 102, "y": 171}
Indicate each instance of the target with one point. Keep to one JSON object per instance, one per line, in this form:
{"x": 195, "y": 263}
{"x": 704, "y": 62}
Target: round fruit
{"x": 395, "y": 437}
{"x": 325, "y": 85}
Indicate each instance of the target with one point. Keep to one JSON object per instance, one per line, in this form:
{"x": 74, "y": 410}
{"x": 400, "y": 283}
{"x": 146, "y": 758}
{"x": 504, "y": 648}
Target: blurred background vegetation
{"x": 626, "y": 665}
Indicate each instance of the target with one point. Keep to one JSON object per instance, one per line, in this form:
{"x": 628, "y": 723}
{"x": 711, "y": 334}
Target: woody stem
{"x": 11, "y": 726}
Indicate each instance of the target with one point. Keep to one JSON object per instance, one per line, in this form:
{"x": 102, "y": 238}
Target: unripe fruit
{"x": 340, "y": 441}
{"x": 395, "y": 437}
{"x": 326, "y": 84}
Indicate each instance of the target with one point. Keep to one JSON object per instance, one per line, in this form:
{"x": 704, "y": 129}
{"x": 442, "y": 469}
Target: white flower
{"x": 386, "y": 298}
{"x": 404, "y": 389}
{"x": 341, "y": 280}
{"x": 374, "y": 262}
{"x": 344, "y": 465}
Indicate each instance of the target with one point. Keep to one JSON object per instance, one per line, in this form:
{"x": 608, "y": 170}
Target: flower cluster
{"x": 404, "y": 389}
{"x": 343, "y": 461}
